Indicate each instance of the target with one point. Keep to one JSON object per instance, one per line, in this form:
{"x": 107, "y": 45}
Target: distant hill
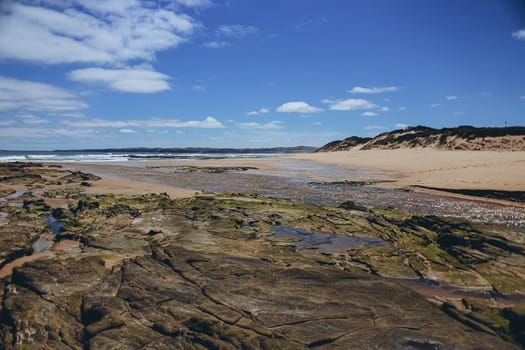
{"x": 459, "y": 138}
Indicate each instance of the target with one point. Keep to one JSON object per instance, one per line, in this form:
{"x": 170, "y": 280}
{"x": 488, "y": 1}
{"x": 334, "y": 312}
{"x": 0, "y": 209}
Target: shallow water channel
{"x": 315, "y": 242}
{"x": 44, "y": 244}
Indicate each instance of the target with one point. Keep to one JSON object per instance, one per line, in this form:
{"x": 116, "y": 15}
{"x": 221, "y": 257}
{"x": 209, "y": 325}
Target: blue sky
{"x": 247, "y": 73}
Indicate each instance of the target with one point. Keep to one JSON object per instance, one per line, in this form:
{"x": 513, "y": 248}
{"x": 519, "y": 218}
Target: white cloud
{"x": 198, "y": 88}
{"x": 208, "y": 123}
{"x": 127, "y": 131}
{"x": 32, "y": 119}
{"x": 6, "y": 122}
{"x": 216, "y": 44}
{"x": 135, "y": 80}
{"x": 236, "y": 31}
{"x": 297, "y": 107}
{"x": 100, "y": 123}
{"x": 401, "y": 126}
{"x": 42, "y": 133}
{"x": 458, "y": 113}
{"x": 194, "y": 3}
{"x": 520, "y": 34}
{"x": 94, "y": 31}
{"x": 28, "y": 96}
{"x": 263, "y": 110}
{"x": 435, "y": 105}
{"x": 369, "y": 114}
{"x": 273, "y": 125}
{"x": 373, "y": 90}
{"x": 350, "y": 104}
{"x": 451, "y": 98}
{"x": 402, "y": 108}
{"x": 384, "y": 109}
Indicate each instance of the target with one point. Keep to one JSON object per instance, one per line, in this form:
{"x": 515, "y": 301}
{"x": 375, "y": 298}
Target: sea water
{"x": 102, "y": 156}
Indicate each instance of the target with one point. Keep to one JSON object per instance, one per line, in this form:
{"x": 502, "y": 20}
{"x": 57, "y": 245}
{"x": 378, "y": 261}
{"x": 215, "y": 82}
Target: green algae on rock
{"x": 210, "y": 272}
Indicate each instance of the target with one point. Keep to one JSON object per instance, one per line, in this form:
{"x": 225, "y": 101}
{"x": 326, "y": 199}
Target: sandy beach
{"x": 433, "y": 168}
{"x": 479, "y": 170}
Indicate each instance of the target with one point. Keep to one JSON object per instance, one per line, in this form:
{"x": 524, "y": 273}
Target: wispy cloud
{"x": 273, "y": 125}
{"x": 401, "y": 126}
{"x": 350, "y": 104}
{"x": 452, "y": 98}
{"x": 263, "y": 110}
{"x": 374, "y": 127}
{"x": 208, "y": 123}
{"x": 435, "y": 105}
{"x": 91, "y": 31}
{"x": 127, "y": 131}
{"x": 16, "y": 133}
{"x": 134, "y": 80}
{"x": 7, "y": 122}
{"x": 194, "y": 3}
{"x": 32, "y": 119}
{"x": 198, "y": 88}
{"x": 236, "y": 31}
{"x": 520, "y": 34}
{"x": 369, "y": 114}
{"x": 402, "y": 108}
{"x": 306, "y": 22}
{"x": 373, "y": 90}
{"x": 27, "y": 96}
{"x": 297, "y": 107}
{"x": 216, "y": 44}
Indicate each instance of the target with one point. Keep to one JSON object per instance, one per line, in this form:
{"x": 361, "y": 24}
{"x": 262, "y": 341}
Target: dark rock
{"x": 349, "y": 205}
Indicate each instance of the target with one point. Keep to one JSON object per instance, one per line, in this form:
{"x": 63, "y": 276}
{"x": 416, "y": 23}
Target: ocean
{"x": 124, "y": 156}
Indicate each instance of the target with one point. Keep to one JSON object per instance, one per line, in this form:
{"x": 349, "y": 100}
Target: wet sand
{"x": 302, "y": 180}
{"x": 125, "y": 186}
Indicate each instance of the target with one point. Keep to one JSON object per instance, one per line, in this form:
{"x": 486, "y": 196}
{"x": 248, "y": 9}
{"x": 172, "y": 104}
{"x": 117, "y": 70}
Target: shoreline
{"x": 424, "y": 171}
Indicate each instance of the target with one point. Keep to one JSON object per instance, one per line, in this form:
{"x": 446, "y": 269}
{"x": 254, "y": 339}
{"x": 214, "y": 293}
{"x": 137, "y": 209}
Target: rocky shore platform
{"x": 245, "y": 271}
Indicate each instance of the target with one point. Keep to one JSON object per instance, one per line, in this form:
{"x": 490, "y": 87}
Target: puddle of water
{"x": 327, "y": 172}
{"x": 313, "y": 242}
{"x": 42, "y": 245}
{"x": 56, "y": 226}
{"x": 17, "y": 194}
{"x": 422, "y": 344}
